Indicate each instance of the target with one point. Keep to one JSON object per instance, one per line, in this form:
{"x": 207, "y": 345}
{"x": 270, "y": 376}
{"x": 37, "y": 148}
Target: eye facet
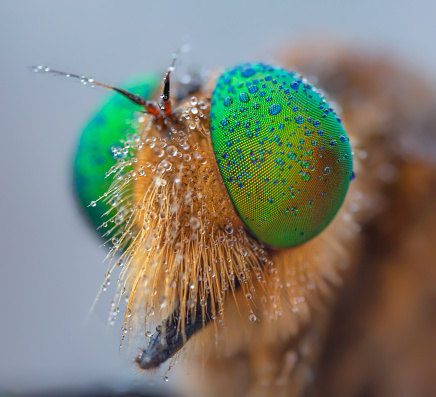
{"x": 105, "y": 131}
{"x": 282, "y": 152}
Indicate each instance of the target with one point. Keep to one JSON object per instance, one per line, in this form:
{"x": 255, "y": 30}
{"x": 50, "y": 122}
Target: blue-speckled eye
{"x": 282, "y": 152}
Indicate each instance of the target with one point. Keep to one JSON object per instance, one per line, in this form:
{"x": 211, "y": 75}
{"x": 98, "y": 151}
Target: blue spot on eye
{"x": 244, "y": 97}
{"x": 228, "y": 101}
{"x": 274, "y": 109}
{"x": 252, "y": 89}
{"x": 247, "y": 72}
{"x": 294, "y": 85}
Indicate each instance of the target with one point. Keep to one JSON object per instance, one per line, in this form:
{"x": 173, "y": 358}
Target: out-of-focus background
{"x": 51, "y": 263}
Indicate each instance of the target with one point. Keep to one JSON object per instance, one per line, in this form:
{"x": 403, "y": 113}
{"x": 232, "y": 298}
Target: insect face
{"x": 208, "y": 195}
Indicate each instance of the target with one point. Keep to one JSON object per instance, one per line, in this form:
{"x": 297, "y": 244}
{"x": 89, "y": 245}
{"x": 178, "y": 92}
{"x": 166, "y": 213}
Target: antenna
{"x": 149, "y": 106}
{"x": 166, "y": 102}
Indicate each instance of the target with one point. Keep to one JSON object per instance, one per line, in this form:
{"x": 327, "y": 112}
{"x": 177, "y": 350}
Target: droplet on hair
{"x": 194, "y": 222}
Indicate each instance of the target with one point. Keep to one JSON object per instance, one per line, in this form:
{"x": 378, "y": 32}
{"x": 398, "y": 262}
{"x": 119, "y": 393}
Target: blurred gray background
{"x": 51, "y": 263}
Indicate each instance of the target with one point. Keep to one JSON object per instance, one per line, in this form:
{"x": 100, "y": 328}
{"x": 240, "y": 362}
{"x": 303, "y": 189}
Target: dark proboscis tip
{"x": 169, "y": 339}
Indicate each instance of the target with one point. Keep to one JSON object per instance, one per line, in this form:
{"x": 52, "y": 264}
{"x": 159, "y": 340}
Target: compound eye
{"x": 282, "y": 152}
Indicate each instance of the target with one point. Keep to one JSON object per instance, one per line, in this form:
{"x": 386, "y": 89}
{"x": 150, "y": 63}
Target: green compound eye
{"x": 106, "y": 130}
{"x": 282, "y": 152}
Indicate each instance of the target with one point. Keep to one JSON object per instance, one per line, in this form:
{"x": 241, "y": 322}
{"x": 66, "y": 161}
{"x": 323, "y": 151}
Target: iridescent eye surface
{"x": 105, "y": 132}
{"x": 282, "y": 152}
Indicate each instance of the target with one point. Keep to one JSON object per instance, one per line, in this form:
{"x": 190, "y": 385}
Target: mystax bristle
{"x": 183, "y": 242}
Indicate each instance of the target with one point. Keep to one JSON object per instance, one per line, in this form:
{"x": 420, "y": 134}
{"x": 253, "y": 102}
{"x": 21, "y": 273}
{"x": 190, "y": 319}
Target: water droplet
{"x": 194, "y": 222}
{"x": 150, "y": 142}
{"x": 291, "y": 156}
{"x": 326, "y": 170}
{"x": 305, "y": 176}
{"x": 177, "y": 179}
{"x": 228, "y": 101}
{"x": 166, "y": 165}
{"x": 159, "y": 152}
{"x": 171, "y": 151}
{"x": 228, "y": 229}
{"x": 247, "y": 72}
{"x": 299, "y": 119}
{"x": 244, "y": 97}
{"x": 275, "y": 109}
